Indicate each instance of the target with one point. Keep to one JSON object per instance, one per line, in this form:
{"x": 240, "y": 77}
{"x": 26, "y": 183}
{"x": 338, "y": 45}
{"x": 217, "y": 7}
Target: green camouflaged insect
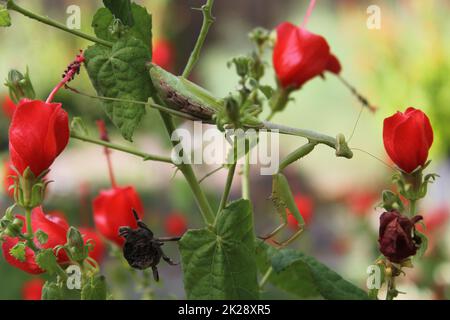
{"x": 184, "y": 95}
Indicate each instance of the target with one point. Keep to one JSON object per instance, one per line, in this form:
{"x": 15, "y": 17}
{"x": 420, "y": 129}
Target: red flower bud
{"x": 8, "y": 106}
{"x": 163, "y": 54}
{"x": 407, "y": 138}
{"x": 39, "y": 132}
{"x": 98, "y": 250}
{"x": 55, "y": 227}
{"x": 306, "y": 207}
{"x": 300, "y": 55}
{"x": 175, "y": 224}
{"x": 396, "y": 236}
{"x": 32, "y": 289}
{"x": 113, "y": 209}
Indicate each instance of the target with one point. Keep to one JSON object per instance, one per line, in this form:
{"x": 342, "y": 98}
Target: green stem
{"x": 265, "y": 278}
{"x": 29, "y": 235}
{"x": 246, "y": 177}
{"x": 145, "y": 156}
{"x": 412, "y": 207}
{"x": 29, "y": 227}
{"x": 188, "y": 172}
{"x": 208, "y": 20}
{"x": 226, "y": 192}
{"x": 13, "y": 6}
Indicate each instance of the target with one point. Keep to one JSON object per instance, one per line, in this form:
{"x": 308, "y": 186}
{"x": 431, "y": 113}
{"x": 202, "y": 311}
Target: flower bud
{"x": 20, "y": 86}
{"x": 407, "y": 138}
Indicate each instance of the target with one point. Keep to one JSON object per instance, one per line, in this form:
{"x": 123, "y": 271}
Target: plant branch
{"x": 208, "y": 20}
{"x": 246, "y": 177}
{"x": 126, "y": 149}
{"x": 188, "y": 172}
{"x": 11, "y": 5}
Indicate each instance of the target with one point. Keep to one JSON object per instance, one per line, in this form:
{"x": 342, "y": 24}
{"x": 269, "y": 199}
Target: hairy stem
{"x": 126, "y": 149}
{"x": 208, "y": 20}
{"x": 226, "y": 192}
{"x": 188, "y": 172}
{"x": 246, "y": 177}
{"x": 11, "y": 5}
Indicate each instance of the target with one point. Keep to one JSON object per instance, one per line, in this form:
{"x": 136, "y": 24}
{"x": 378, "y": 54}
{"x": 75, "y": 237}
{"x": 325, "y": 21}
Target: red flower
{"x": 407, "y": 138}
{"x": 113, "y": 209}
{"x": 32, "y": 289}
{"x": 175, "y": 224}
{"x": 8, "y": 106}
{"x": 163, "y": 54}
{"x": 300, "y": 55}
{"x": 8, "y": 180}
{"x": 306, "y": 207}
{"x": 396, "y": 239}
{"x": 55, "y": 227}
{"x": 39, "y": 132}
{"x": 360, "y": 202}
{"x": 98, "y": 251}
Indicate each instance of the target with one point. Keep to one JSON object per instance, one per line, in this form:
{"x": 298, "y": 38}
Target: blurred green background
{"x": 404, "y": 63}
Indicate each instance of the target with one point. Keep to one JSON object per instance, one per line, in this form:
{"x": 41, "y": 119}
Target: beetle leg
{"x": 155, "y": 273}
{"x": 164, "y": 239}
{"x": 169, "y": 261}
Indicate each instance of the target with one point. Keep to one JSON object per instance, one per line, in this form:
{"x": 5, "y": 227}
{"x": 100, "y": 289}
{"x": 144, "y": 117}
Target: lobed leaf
{"x": 306, "y": 277}
{"x": 121, "y": 72}
{"x": 219, "y": 263}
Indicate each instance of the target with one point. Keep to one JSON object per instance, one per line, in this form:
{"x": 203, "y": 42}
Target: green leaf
{"x": 59, "y": 291}
{"x": 142, "y": 29}
{"x": 41, "y": 236}
{"x": 220, "y": 263}
{"x": 5, "y": 19}
{"x": 94, "y": 288}
{"x": 102, "y": 24}
{"x": 46, "y": 260}
{"x": 121, "y": 72}
{"x": 304, "y": 276}
{"x": 423, "y": 245}
{"x": 18, "y": 251}
{"x": 121, "y": 9}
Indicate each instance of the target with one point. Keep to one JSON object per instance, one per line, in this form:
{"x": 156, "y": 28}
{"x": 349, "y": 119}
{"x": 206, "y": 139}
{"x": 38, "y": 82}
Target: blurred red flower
{"x": 38, "y": 133}
{"x": 113, "y": 209}
{"x": 306, "y": 207}
{"x": 163, "y": 54}
{"x": 99, "y": 249}
{"x": 32, "y": 289}
{"x": 407, "y": 138}
{"x": 176, "y": 224}
{"x": 361, "y": 202}
{"x": 8, "y": 106}
{"x": 8, "y": 180}
{"x": 300, "y": 55}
